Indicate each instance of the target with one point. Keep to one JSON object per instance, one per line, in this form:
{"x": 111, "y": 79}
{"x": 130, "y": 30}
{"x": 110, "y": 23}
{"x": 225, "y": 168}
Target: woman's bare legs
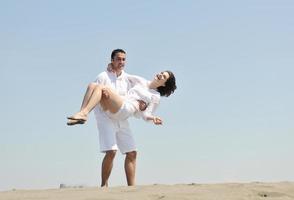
{"x": 90, "y": 89}
{"x": 88, "y": 94}
{"x": 94, "y": 96}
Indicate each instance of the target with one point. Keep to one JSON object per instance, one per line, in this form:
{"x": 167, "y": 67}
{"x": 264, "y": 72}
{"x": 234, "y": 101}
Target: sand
{"x": 226, "y": 191}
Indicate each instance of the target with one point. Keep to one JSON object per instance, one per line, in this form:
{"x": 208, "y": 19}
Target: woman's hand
{"x": 157, "y": 121}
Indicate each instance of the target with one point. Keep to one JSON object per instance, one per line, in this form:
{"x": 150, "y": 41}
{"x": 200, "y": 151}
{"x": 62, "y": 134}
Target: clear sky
{"x": 230, "y": 120}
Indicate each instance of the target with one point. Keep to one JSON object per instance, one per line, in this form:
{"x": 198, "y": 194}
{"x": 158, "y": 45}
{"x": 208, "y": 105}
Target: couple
{"x": 116, "y": 96}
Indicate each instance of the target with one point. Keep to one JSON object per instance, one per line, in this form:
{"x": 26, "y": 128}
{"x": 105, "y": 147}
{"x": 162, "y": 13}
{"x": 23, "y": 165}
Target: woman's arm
{"x": 148, "y": 113}
{"x": 156, "y": 120}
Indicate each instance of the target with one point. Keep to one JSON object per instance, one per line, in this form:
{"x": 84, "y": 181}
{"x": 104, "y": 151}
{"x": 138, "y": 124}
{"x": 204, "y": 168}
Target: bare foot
{"x": 79, "y": 116}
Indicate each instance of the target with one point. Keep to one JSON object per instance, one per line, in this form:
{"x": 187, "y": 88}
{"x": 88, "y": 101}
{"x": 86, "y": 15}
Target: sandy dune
{"x": 228, "y": 191}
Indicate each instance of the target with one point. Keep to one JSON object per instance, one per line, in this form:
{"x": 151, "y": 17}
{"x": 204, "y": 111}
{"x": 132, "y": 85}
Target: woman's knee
{"x": 92, "y": 85}
{"x": 98, "y": 87}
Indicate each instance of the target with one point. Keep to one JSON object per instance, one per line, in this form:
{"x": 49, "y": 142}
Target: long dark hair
{"x": 170, "y": 85}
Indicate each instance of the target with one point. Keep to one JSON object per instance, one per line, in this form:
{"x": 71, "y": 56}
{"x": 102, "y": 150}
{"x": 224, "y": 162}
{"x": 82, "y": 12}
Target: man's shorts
{"x": 114, "y": 134}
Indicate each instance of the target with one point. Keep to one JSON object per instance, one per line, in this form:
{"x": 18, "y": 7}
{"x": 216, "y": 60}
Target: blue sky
{"x": 230, "y": 120}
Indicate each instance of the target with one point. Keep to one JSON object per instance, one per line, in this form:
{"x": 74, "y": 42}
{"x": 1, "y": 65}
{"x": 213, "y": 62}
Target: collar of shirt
{"x": 113, "y": 75}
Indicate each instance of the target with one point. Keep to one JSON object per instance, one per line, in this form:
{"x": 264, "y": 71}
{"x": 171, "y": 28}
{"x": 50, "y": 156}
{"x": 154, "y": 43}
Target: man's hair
{"x": 170, "y": 85}
{"x": 115, "y": 51}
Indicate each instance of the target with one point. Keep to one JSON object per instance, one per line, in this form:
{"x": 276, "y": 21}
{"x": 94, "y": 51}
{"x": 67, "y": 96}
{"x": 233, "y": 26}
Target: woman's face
{"x": 161, "y": 78}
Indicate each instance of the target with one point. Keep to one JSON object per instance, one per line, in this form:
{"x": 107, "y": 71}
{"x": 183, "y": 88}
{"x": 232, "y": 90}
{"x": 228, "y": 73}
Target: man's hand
{"x": 109, "y": 68}
{"x": 105, "y": 93}
{"x": 142, "y": 105}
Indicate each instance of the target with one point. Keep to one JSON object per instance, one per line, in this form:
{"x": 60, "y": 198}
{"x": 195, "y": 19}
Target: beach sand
{"x": 225, "y": 191}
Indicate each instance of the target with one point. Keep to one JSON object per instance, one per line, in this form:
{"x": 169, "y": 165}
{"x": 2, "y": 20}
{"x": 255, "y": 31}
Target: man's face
{"x": 118, "y": 62}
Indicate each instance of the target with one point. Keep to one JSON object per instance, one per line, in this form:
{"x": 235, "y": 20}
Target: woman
{"x": 141, "y": 100}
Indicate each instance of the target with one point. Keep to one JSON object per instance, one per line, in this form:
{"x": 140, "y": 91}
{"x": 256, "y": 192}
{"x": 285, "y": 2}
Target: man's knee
{"x": 110, "y": 154}
{"x": 131, "y": 155}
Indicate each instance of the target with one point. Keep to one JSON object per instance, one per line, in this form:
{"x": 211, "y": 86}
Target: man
{"x": 114, "y": 135}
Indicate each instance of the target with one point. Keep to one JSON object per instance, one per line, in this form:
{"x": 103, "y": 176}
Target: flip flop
{"x": 75, "y": 118}
{"x": 72, "y": 122}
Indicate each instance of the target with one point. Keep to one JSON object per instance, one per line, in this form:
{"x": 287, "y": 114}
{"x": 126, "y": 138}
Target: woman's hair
{"x": 169, "y": 87}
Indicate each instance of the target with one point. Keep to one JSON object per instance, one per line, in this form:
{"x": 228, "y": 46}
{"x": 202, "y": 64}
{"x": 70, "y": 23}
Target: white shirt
{"x": 141, "y": 91}
{"x": 121, "y": 83}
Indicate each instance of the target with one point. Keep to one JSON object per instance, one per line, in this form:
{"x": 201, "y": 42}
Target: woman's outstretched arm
{"x": 156, "y": 120}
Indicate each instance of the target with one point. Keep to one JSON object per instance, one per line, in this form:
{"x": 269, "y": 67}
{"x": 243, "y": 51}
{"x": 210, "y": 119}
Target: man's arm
{"x": 134, "y": 80}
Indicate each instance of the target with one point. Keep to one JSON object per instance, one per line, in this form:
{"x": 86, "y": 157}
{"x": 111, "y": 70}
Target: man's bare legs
{"x": 107, "y": 165}
{"x": 130, "y": 167}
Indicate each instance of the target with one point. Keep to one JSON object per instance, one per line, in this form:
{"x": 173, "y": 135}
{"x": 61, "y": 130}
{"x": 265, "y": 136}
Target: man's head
{"x": 118, "y": 60}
